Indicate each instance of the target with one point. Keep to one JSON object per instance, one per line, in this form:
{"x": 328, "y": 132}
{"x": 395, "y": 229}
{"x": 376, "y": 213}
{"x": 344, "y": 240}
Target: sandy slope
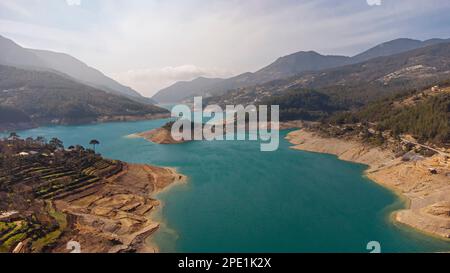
{"x": 429, "y": 194}
{"x": 115, "y": 215}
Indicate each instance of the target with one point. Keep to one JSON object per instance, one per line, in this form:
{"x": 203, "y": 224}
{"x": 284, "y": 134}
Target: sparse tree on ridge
{"x": 55, "y": 142}
{"x": 13, "y": 136}
{"x": 94, "y": 143}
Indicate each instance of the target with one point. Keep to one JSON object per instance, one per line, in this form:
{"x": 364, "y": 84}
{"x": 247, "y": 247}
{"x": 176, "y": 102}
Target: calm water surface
{"x": 239, "y": 199}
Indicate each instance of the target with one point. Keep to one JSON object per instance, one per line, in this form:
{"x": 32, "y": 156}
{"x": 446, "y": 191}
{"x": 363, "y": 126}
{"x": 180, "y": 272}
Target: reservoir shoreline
{"x": 426, "y": 196}
{"x": 118, "y": 215}
{"x": 184, "y": 212}
{"x": 22, "y": 126}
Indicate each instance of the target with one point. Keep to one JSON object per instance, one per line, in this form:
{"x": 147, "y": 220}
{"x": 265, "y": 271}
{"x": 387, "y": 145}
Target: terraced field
{"x": 32, "y": 175}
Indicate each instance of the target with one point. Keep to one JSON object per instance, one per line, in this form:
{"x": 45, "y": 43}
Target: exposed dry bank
{"x": 115, "y": 216}
{"x": 428, "y": 192}
{"x": 159, "y": 136}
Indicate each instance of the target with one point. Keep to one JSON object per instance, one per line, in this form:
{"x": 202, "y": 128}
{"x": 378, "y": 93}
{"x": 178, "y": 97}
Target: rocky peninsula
{"x": 159, "y": 136}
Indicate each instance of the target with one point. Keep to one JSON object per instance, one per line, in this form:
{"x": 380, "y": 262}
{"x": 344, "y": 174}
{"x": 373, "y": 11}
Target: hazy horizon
{"x": 150, "y": 45}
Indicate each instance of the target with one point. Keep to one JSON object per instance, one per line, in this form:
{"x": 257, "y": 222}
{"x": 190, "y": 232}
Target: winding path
{"x": 426, "y": 147}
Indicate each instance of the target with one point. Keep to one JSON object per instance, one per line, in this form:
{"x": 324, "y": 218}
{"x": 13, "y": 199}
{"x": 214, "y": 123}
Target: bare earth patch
{"x": 115, "y": 215}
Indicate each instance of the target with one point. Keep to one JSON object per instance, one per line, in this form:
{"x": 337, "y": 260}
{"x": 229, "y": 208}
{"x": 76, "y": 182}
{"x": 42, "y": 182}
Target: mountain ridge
{"x": 356, "y": 84}
{"x": 290, "y": 65}
{"x": 42, "y": 97}
{"x": 12, "y": 54}
{"x": 190, "y": 88}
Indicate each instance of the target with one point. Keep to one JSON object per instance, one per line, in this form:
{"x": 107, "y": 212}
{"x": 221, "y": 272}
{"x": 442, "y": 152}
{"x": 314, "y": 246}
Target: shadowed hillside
{"x": 12, "y": 54}
{"x": 44, "y": 97}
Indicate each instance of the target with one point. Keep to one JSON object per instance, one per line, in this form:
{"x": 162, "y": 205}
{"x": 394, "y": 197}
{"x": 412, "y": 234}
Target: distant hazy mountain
{"x": 282, "y": 68}
{"x": 296, "y": 63}
{"x": 181, "y": 90}
{"x": 352, "y": 85}
{"x": 288, "y": 66}
{"x": 75, "y": 68}
{"x": 44, "y": 97}
{"x": 12, "y": 54}
{"x": 394, "y": 47}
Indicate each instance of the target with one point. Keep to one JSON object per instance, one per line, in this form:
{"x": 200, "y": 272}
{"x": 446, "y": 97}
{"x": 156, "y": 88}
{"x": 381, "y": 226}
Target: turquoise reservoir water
{"x": 239, "y": 199}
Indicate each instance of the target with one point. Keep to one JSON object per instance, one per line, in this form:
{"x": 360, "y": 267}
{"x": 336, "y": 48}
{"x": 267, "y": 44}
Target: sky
{"x": 151, "y": 44}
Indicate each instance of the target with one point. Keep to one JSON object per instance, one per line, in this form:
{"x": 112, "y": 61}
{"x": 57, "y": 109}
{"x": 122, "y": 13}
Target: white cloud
{"x": 73, "y": 2}
{"x": 374, "y": 2}
{"x": 50, "y": 38}
{"x": 148, "y": 81}
{"x": 142, "y": 43}
{"x": 14, "y": 7}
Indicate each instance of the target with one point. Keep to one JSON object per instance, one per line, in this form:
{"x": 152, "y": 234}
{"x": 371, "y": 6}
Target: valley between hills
{"x": 388, "y": 108}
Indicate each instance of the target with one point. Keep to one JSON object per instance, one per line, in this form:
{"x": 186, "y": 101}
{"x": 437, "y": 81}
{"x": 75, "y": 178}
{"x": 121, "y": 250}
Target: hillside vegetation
{"x": 356, "y": 85}
{"x": 33, "y": 173}
{"x": 43, "y": 97}
{"x": 302, "y": 104}
{"x": 285, "y": 67}
{"x": 424, "y": 115}
{"x": 12, "y": 54}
